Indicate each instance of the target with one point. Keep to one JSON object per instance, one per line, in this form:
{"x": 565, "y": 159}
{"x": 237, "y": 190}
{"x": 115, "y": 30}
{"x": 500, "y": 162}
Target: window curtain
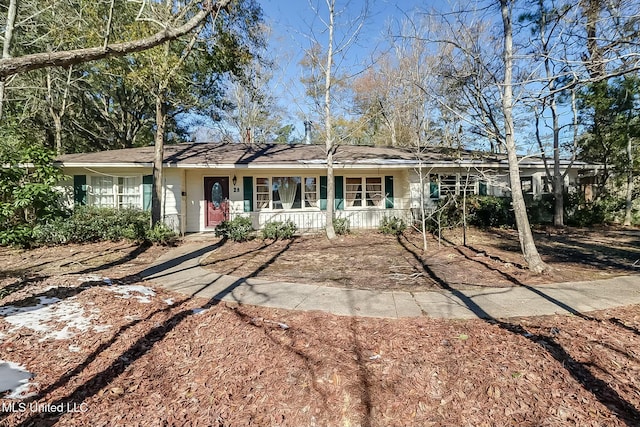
{"x": 374, "y": 191}
{"x": 287, "y": 189}
{"x": 310, "y": 195}
{"x": 129, "y": 192}
{"x": 102, "y": 191}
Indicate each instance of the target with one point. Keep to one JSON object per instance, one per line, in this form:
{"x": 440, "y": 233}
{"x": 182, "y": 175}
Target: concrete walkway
{"x": 179, "y": 270}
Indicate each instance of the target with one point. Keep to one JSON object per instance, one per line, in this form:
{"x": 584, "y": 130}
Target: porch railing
{"x": 312, "y": 221}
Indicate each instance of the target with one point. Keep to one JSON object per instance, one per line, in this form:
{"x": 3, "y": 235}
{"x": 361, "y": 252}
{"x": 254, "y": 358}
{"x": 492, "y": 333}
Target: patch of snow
{"x": 90, "y": 278}
{"x": 74, "y": 348}
{"x": 199, "y": 310}
{"x": 11, "y": 310}
{"x": 14, "y": 379}
{"x": 169, "y": 301}
{"x": 126, "y": 292}
{"x": 42, "y": 316}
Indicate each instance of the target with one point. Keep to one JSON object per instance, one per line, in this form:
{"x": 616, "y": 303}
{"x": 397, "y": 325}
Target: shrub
{"x": 490, "y": 211}
{"x": 91, "y": 224}
{"x": 341, "y": 226}
{"x": 279, "y": 230}
{"x": 162, "y": 234}
{"x": 393, "y": 225}
{"x": 580, "y": 213}
{"x": 238, "y": 229}
{"x": 20, "y": 235}
{"x": 28, "y": 196}
{"x": 540, "y": 210}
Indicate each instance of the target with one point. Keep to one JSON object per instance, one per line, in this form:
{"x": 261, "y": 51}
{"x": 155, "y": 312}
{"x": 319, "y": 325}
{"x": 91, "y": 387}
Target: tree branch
{"x": 10, "y": 66}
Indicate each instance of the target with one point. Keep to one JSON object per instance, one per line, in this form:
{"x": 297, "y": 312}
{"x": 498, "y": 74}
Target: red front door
{"x": 216, "y": 195}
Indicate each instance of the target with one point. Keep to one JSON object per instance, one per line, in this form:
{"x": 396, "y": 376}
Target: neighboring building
{"x": 207, "y": 183}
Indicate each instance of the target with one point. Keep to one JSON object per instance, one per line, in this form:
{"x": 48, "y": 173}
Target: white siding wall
{"x": 172, "y": 199}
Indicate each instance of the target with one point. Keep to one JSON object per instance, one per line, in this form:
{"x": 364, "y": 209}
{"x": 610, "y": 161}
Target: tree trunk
{"x": 423, "y": 211}
{"x": 527, "y": 244}
{"x": 329, "y": 141}
{"x": 331, "y": 197}
{"x": 595, "y": 64}
{"x": 558, "y": 179}
{"x": 161, "y": 120}
{"x": 58, "y": 115}
{"x": 628, "y": 209}
{"x": 12, "y": 11}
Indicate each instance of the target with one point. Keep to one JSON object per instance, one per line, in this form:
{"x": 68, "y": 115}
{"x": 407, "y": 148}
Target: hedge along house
{"x": 207, "y": 183}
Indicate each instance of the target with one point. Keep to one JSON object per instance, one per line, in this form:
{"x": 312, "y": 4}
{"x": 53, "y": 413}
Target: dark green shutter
{"x": 339, "y": 190}
{"x": 339, "y": 182}
{"x": 323, "y": 193}
{"x": 388, "y": 188}
{"x": 147, "y": 192}
{"x": 482, "y": 188}
{"x": 247, "y": 191}
{"x": 434, "y": 187}
{"x": 80, "y": 190}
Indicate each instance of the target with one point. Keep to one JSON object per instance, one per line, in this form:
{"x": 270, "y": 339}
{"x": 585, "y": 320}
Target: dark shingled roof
{"x": 212, "y": 154}
{"x": 239, "y": 154}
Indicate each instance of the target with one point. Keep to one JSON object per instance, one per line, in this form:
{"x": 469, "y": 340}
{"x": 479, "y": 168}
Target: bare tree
{"x": 479, "y": 65}
{"x": 58, "y": 104}
{"x": 322, "y": 85}
{"x": 250, "y": 109}
{"x": 527, "y": 244}
{"x": 330, "y": 145}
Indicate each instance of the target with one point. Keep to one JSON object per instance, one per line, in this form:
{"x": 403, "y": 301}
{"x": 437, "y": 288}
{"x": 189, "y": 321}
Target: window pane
{"x": 527, "y": 185}
{"x": 448, "y": 185}
{"x": 353, "y": 193}
{"x": 286, "y": 192}
{"x": 128, "y": 192}
{"x": 310, "y": 193}
{"x": 262, "y": 193}
{"x": 101, "y": 191}
{"x": 374, "y": 192}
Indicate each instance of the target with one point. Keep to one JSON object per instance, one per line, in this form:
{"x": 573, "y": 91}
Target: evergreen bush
{"x": 392, "y": 225}
{"x": 91, "y": 224}
{"x": 279, "y": 230}
{"x": 341, "y": 226}
{"x": 239, "y": 229}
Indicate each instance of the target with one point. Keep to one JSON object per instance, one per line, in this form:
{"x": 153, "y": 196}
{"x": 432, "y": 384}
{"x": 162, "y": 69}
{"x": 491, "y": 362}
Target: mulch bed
{"x": 161, "y": 359}
{"x": 371, "y": 260}
{"x": 178, "y": 361}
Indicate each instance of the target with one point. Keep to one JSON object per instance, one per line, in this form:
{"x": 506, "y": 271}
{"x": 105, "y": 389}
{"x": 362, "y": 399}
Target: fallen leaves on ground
{"x": 372, "y": 260}
{"x": 197, "y": 362}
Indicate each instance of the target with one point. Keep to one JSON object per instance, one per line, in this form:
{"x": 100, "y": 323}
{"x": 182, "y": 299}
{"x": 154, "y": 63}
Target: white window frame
{"x": 269, "y": 193}
{"x": 363, "y": 192}
{"x": 456, "y": 189}
{"x": 115, "y": 194}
